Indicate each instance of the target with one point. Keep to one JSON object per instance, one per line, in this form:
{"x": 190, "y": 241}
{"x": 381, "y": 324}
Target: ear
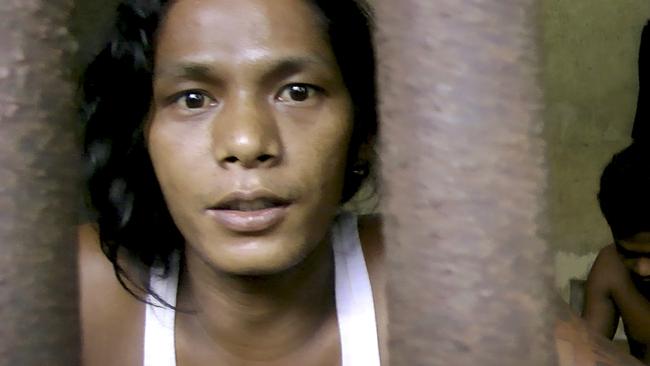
{"x": 366, "y": 152}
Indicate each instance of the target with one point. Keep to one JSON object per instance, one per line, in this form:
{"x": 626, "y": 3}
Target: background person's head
{"x": 124, "y": 188}
{"x": 624, "y": 199}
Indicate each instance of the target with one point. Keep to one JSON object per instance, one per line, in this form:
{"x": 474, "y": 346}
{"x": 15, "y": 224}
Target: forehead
{"x": 241, "y": 30}
{"x": 639, "y": 243}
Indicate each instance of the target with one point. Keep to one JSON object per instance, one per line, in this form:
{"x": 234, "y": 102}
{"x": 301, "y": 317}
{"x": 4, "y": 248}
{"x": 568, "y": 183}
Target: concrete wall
{"x": 590, "y": 80}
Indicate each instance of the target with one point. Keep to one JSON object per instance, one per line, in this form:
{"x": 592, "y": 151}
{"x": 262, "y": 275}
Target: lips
{"x": 248, "y": 212}
{"x": 250, "y": 205}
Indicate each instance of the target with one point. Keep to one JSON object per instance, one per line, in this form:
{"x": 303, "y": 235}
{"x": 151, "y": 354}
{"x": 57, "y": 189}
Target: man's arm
{"x": 577, "y": 345}
{"x": 600, "y": 311}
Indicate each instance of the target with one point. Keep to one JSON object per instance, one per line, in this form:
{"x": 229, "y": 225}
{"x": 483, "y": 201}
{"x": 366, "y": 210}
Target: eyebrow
{"x": 187, "y": 70}
{"x": 287, "y": 66}
{"x": 207, "y": 71}
{"x": 630, "y": 253}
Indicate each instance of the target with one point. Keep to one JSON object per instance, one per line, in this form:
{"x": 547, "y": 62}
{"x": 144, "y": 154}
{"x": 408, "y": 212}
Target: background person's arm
{"x": 577, "y": 345}
{"x": 600, "y": 311}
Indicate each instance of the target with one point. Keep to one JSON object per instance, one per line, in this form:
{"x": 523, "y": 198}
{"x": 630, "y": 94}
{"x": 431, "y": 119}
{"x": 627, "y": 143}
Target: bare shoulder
{"x": 96, "y": 275}
{"x": 372, "y": 243}
{"x": 94, "y": 268}
{"x": 607, "y": 269}
{"x": 111, "y": 319}
{"x": 372, "y": 239}
{"x": 608, "y": 255}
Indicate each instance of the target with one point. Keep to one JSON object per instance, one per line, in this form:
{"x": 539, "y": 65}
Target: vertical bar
{"x": 39, "y": 192}
{"x": 470, "y": 280}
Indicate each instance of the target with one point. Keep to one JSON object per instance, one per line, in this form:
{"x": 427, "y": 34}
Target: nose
{"x": 246, "y": 134}
{"x": 642, "y": 267}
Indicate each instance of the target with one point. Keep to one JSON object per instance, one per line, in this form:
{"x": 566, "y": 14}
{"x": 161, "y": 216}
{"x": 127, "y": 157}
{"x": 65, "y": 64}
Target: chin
{"x": 259, "y": 269}
{"x": 260, "y": 261}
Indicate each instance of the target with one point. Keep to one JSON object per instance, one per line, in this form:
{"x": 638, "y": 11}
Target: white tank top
{"x": 354, "y": 304}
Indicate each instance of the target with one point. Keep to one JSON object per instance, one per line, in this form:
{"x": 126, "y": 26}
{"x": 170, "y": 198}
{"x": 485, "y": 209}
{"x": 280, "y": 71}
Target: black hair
{"x": 624, "y": 195}
{"x": 117, "y": 90}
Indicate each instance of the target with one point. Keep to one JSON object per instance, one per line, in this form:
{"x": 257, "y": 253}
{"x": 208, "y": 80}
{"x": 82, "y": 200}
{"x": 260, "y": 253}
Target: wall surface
{"x": 590, "y": 79}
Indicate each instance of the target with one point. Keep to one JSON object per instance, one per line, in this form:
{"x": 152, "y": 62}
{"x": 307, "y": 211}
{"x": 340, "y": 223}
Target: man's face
{"x": 249, "y": 130}
{"x": 635, "y": 254}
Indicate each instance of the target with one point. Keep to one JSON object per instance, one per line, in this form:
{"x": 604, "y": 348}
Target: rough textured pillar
{"x": 463, "y": 171}
{"x": 38, "y": 187}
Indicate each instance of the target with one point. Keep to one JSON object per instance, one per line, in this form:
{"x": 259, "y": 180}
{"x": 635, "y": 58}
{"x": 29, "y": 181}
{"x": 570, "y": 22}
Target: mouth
{"x": 641, "y": 279}
{"x": 251, "y": 205}
{"x": 250, "y": 212}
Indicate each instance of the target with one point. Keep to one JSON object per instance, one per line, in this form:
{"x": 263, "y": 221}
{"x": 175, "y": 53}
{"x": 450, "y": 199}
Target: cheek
{"x": 325, "y": 156}
{"x": 174, "y": 161}
{"x": 178, "y": 183}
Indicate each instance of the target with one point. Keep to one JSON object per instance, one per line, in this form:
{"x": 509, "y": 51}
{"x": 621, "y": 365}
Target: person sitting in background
{"x": 619, "y": 281}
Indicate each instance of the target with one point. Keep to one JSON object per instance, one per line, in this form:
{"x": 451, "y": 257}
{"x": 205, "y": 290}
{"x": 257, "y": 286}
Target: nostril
{"x": 231, "y": 159}
{"x": 264, "y": 158}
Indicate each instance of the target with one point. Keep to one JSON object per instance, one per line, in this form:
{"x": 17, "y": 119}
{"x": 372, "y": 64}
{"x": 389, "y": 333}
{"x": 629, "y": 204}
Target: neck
{"x": 260, "y": 317}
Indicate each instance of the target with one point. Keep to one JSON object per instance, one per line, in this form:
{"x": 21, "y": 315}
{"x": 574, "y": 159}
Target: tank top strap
{"x": 354, "y": 301}
{"x": 159, "y": 346}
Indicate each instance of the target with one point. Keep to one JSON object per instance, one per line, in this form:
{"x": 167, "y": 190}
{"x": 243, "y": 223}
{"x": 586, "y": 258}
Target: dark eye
{"x": 297, "y": 93}
{"x": 194, "y": 100}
